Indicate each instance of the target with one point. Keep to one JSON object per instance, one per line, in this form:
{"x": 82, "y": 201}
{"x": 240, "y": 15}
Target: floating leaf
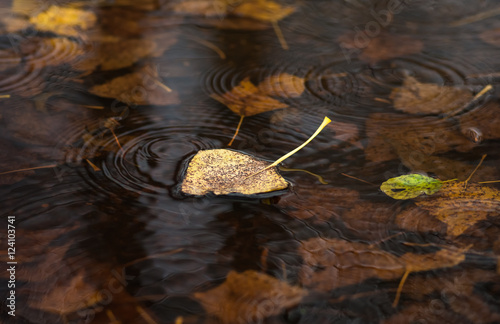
{"x": 221, "y": 172}
{"x": 410, "y": 186}
{"x": 64, "y": 21}
{"x": 141, "y": 87}
{"x": 224, "y": 171}
{"x": 249, "y": 297}
{"x": 426, "y": 98}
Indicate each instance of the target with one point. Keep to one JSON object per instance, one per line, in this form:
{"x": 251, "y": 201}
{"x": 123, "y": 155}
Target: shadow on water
{"x": 101, "y": 116}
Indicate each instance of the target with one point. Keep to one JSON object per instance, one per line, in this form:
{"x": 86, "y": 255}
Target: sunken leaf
{"x": 427, "y": 98}
{"x": 249, "y": 297}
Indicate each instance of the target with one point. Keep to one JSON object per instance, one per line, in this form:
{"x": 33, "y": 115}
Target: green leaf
{"x": 410, "y": 186}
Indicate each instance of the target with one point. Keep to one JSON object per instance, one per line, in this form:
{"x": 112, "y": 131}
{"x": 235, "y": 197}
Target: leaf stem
{"x": 326, "y": 121}
{"x": 237, "y": 130}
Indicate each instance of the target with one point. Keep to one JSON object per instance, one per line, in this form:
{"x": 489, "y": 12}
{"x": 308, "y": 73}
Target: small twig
{"x": 237, "y": 130}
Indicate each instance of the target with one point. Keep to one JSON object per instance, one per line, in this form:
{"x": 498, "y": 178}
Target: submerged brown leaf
{"x": 383, "y": 47}
{"x": 461, "y": 208}
{"x": 249, "y": 297}
{"x": 225, "y": 171}
{"x": 491, "y": 36}
{"x": 247, "y": 100}
{"x": 344, "y": 263}
{"x": 115, "y": 53}
{"x": 64, "y": 21}
{"x": 141, "y": 87}
{"x": 427, "y": 98}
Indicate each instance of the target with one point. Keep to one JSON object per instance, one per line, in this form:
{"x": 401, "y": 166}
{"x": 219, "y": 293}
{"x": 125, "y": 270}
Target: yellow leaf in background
{"x": 64, "y": 21}
{"x": 249, "y": 297}
{"x": 426, "y": 98}
{"x": 247, "y": 100}
{"x": 224, "y": 171}
{"x": 263, "y": 10}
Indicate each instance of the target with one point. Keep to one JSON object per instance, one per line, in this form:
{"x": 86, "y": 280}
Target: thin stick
{"x": 489, "y": 181}
{"x": 477, "y": 17}
{"x": 5, "y": 96}
{"x": 237, "y": 130}
{"x": 482, "y": 92}
{"x": 95, "y": 167}
{"x": 326, "y": 121}
{"x": 163, "y": 86}
{"x": 278, "y": 32}
{"x": 400, "y": 287}
{"x": 320, "y": 178}
{"x": 477, "y": 167}
{"x": 349, "y": 176}
{"x": 29, "y": 169}
{"x": 93, "y": 107}
{"x": 145, "y": 315}
{"x": 116, "y": 139}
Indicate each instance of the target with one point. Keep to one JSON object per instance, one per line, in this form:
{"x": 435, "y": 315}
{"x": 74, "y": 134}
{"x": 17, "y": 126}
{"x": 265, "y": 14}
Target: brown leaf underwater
{"x": 141, "y": 87}
{"x": 345, "y": 263}
{"x": 415, "y": 97}
{"x": 249, "y": 296}
{"x": 246, "y": 99}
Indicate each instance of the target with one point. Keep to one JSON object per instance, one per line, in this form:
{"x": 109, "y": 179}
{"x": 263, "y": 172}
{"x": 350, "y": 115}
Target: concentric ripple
{"x": 151, "y": 156}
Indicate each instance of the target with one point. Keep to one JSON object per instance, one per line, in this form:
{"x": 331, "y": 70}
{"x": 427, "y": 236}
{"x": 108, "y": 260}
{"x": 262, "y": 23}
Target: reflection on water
{"x": 102, "y": 104}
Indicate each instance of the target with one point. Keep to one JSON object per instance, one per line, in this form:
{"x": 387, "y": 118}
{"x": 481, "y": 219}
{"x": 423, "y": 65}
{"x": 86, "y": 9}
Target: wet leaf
{"x": 410, "y": 186}
{"x": 282, "y": 85}
{"x": 69, "y": 296}
{"x": 115, "y": 53}
{"x": 491, "y": 36}
{"x": 265, "y": 10}
{"x": 249, "y": 297}
{"x": 460, "y": 207}
{"x": 224, "y": 171}
{"x": 344, "y": 263}
{"x": 64, "y": 21}
{"x": 247, "y": 100}
{"x": 141, "y": 87}
{"x": 383, "y": 47}
{"x": 202, "y": 7}
{"x": 428, "y": 98}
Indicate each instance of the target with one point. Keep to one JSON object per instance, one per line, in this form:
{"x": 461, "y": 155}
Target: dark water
{"x": 102, "y": 235}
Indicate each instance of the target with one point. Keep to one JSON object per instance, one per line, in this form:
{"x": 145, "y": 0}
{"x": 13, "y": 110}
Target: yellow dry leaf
{"x": 249, "y": 297}
{"x": 265, "y": 10}
{"x": 461, "y": 208}
{"x": 247, "y": 100}
{"x": 224, "y": 172}
{"x": 64, "y": 21}
{"x": 282, "y": 85}
{"x": 427, "y": 98}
